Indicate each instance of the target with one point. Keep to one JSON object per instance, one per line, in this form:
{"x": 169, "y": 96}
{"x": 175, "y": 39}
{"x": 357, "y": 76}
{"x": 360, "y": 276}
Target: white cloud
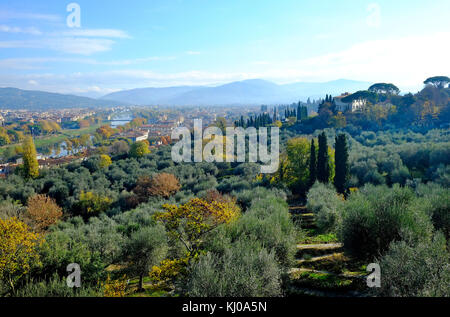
{"x": 33, "y": 82}
{"x": 406, "y": 61}
{"x": 11, "y": 15}
{"x": 42, "y": 62}
{"x": 81, "y": 46}
{"x": 108, "y": 33}
{"x": 193, "y": 53}
{"x": 15, "y": 29}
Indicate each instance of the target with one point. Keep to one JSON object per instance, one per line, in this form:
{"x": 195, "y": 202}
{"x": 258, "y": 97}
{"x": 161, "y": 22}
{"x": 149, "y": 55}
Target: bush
{"x": 55, "y": 287}
{"x": 245, "y": 270}
{"x": 144, "y": 249}
{"x": 60, "y": 249}
{"x": 377, "y": 215}
{"x": 436, "y": 202}
{"x": 269, "y": 222}
{"x": 9, "y": 209}
{"x": 326, "y": 204}
{"x": 245, "y": 197}
{"x": 409, "y": 270}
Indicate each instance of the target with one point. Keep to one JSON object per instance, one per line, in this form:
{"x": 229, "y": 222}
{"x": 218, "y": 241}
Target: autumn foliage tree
{"x": 190, "y": 222}
{"x": 298, "y": 152}
{"x": 17, "y": 250}
{"x": 91, "y": 204}
{"x": 30, "y": 162}
{"x": 105, "y": 131}
{"x": 43, "y": 212}
{"x": 114, "y": 287}
{"x": 161, "y": 185}
{"x": 139, "y": 149}
{"x": 105, "y": 161}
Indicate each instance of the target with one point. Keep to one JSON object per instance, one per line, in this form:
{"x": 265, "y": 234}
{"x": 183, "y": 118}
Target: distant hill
{"x": 146, "y": 96}
{"x": 247, "y": 92}
{"x": 13, "y": 98}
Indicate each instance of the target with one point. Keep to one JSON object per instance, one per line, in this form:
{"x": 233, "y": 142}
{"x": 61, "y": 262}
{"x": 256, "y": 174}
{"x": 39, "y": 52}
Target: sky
{"x": 117, "y": 44}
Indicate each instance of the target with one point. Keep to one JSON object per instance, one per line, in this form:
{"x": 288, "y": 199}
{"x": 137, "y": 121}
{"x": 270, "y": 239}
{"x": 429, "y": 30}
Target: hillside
{"x": 247, "y": 92}
{"x": 13, "y": 98}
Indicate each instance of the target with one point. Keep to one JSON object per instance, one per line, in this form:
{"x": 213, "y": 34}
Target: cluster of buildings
{"x": 59, "y": 116}
{"x": 161, "y": 128}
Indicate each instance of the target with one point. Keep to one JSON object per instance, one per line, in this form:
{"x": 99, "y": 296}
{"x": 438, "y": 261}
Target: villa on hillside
{"x": 354, "y": 106}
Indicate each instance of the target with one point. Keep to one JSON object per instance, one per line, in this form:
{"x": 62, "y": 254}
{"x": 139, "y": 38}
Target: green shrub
{"x": 246, "y": 197}
{"x": 377, "y": 215}
{"x": 245, "y": 270}
{"x": 436, "y": 202}
{"x": 56, "y": 287}
{"x": 60, "y": 249}
{"x": 411, "y": 270}
{"x": 269, "y": 222}
{"x": 325, "y": 203}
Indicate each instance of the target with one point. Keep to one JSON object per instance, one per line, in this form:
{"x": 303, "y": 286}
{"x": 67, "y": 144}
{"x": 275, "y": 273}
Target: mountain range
{"x": 247, "y": 92}
{"x": 13, "y": 98}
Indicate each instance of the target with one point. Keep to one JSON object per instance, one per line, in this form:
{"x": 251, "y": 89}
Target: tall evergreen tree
{"x": 323, "y": 170}
{"x": 312, "y": 164}
{"x": 341, "y": 163}
{"x": 30, "y": 162}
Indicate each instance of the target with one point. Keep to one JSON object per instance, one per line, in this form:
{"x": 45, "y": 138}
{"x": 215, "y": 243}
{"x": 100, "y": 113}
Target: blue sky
{"x": 137, "y": 43}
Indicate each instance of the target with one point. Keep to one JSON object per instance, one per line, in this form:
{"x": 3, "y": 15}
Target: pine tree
{"x": 30, "y": 162}
{"x": 341, "y": 162}
{"x": 312, "y": 164}
{"x": 323, "y": 170}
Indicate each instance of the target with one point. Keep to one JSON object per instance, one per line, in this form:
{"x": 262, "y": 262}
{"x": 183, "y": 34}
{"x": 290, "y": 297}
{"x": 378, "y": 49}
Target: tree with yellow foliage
{"x": 338, "y": 121}
{"x": 30, "y": 163}
{"x": 298, "y": 154}
{"x": 190, "y": 222}
{"x": 17, "y": 250}
{"x": 139, "y": 149}
{"x": 114, "y": 288}
{"x": 105, "y": 131}
{"x": 91, "y": 204}
{"x": 105, "y": 161}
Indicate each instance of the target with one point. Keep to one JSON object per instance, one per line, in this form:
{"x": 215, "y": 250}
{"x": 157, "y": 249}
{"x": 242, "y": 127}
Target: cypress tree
{"x": 312, "y": 164}
{"x": 323, "y": 170}
{"x": 341, "y": 161}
